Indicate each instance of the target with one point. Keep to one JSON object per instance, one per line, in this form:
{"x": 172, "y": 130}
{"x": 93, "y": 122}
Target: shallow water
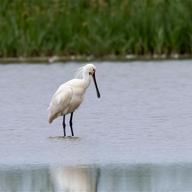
{"x": 144, "y": 116}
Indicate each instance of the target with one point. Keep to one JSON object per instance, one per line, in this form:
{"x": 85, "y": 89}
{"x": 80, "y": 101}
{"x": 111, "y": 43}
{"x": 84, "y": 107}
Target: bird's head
{"x": 91, "y": 70}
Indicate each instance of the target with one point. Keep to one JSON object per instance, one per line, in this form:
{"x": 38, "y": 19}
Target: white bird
{"x": 69, "y": 95}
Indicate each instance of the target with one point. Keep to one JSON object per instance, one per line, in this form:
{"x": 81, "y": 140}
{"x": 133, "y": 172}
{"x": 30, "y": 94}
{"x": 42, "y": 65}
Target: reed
{"x": 95, "y": 27}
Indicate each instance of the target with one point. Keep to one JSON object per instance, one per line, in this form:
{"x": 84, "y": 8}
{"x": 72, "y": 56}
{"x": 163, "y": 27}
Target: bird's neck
{"x": 87, "y": 79}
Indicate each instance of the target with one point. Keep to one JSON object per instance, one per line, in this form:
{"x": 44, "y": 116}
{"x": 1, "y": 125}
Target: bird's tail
{"x": 49, "y": 119}
{"x": 49, "y": 115}
{"x": 52, "y": 116}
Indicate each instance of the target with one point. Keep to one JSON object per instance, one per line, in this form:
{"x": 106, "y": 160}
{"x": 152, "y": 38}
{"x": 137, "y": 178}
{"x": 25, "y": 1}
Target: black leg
{"x": 64, "y": 125}
{"x": 71, "y": 123}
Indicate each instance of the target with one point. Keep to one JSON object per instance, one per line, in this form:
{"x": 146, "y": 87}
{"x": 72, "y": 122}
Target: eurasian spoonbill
{"x": 69, "y": 95}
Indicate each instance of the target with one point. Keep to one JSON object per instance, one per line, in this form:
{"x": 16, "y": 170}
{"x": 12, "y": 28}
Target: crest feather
{"x": 79, "y": 73}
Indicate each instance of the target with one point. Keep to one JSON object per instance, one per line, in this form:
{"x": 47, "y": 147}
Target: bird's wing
{"x": 59, "y": 102}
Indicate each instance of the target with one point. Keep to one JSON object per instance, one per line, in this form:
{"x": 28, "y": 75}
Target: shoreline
{"x": 90, "y": 58}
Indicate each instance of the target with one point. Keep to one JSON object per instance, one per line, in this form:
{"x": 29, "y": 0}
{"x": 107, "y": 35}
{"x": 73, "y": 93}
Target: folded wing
{"x": 59, "y": 102}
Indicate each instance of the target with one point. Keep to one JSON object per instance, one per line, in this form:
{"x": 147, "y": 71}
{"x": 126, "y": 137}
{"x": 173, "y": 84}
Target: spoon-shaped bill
{"x": 97, "y": 90}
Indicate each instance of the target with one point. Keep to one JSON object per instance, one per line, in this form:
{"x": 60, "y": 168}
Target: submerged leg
{"x": 64, "y": 125}
{"x": 71, "y": 123}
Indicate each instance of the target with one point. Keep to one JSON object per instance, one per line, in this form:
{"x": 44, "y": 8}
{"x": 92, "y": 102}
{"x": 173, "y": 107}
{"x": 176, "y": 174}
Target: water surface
{"x": 92, "y": 179}
{"x": 144, "y": 116}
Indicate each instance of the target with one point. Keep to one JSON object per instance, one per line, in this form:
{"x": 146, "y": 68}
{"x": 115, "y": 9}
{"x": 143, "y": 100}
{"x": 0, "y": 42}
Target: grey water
{"x": 136, "y": 137}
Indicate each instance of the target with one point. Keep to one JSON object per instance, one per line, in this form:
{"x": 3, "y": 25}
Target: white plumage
{"x": 69, "y": 95}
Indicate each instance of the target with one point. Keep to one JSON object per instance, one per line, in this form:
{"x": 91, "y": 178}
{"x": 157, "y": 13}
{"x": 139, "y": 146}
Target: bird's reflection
{"x": 74, "y": 179}
{"x": 97, "y": 179}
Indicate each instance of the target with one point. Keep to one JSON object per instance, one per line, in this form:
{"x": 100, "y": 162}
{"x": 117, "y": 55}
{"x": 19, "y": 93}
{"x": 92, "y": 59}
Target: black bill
{"x": 97, "y": 90}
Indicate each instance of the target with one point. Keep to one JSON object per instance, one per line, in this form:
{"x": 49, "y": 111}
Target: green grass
{"x": 95, "y": 27}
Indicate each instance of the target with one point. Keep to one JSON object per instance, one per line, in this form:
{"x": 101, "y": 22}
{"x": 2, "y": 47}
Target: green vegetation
{"x": 95, "y": 27}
